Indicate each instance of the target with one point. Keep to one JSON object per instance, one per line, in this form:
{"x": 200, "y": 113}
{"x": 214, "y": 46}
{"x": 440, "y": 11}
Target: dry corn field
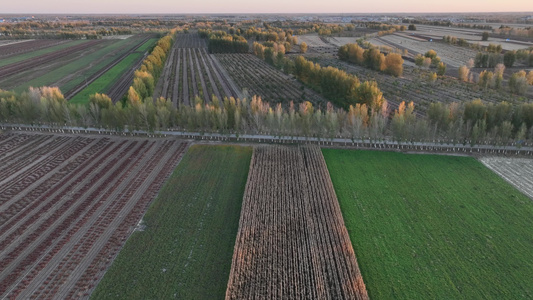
{"x": 292, "y": 242}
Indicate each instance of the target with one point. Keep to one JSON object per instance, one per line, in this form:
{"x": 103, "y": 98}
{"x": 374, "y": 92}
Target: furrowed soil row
{"x": 190, "y": 40}
{"x": 35, "y": 196}
{"x": 261, "y": 79}
{"x": 31, "y": 171}
{"x": 215, "y": 86}
{"x": 102, "y": 71}
{"x": 121, "y": 86}
{"x": 101, "y": 218}
{"x": 185, "y": 99}
{"x": 292, "y": 242}
{"x": 11, "y": 142}
{"x": 200, "y": 75}
{"x": 191, "y": 72}
{"x": 58, "y": 237}
{"x": 33, "y": 245}
{"x": 29, "y": 46}
{"x": 94, "y": 268}
{"x": 25, "y": 65}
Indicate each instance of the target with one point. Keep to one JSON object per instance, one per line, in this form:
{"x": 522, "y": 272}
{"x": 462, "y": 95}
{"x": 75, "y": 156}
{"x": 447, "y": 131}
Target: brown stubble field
{"x": 292, "y": 242}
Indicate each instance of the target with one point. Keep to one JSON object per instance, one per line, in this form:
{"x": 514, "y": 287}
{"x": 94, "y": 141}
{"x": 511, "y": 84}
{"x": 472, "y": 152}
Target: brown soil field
{"x": 292, "y": 242}
{"x": 68, "y": 204}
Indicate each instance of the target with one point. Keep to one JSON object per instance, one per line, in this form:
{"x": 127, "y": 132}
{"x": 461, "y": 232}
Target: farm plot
{"x": 32, "y": 54}
{"x": 20, "y": 47}
{"x": 434, "y": 227}
{"x": 451, "y": 55}
{"x": 471, "y": 35}
{"x": 190, "y": 229}
{"x": 114, "y": 78}
{"x": 67, "y": 205}
{"x": 292, "y": 242}
{"x": 190, "y": 40}
{"x": 319, "y": 45}
{"x": 76, "y": 75}
{"x": 517, "y": 171}
{"x": 191, "y": 72}
{"x": 12, "y": 75}
{"x": 413, "y": 86}
{"x": 261, "y": 79}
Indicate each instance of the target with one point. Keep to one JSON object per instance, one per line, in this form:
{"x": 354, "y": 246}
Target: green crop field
{"x": 186, "y": 249}
{"x": 106, "y": 81}
{"x": 434, "y": 227}
{"x": 83, "y": 62}
{"x": 25, "y": 56}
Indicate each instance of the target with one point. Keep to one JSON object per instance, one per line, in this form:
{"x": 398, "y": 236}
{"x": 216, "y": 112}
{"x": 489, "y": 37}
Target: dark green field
{"x": 187, "y": 247}
{"x": 434, "y": 227}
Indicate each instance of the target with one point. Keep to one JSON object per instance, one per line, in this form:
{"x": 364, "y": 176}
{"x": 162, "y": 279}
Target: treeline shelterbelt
{"x": 222, "y": 42}
{"x": 474, "y": 122}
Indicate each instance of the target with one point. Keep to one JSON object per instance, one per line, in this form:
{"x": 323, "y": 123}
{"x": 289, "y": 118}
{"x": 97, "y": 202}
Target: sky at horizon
{"x": 272, "y": 6}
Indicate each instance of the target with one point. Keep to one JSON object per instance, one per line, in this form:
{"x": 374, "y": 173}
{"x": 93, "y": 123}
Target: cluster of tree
{"x": 455, "y": 41}
{"x": 60, "y": 30}
{"x": 487, "y": 60}
{"x": 390, "y": 29}
{"x": 422, "y": 21}
{"x": 273, "y": 54}
{"x": 478, "y": 121}
{"x": 151, "y": 68}
{"x": 474, "y": 122}
{"x": 491, "y": 48}
{"x": 222, "y": 42}
{"x": 337, "y": 86}
{"x": 372, "y": 58}
{"x": 431, "y": 59}
{"x": 513, "y": 31}
{"x": 520, "y": 81}
{"x": 272, "y": 35}
{"x": 492, "y": 79}
{"x": 525, "y": 56}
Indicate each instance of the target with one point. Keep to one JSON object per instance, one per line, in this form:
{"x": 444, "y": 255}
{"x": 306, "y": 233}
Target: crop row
{"x": 292, "y": 242}
{"x": 25, "y": 47}
{"x": 72, "y": 218}
{"x": 15, "y": 68}
{"x": 190, "y": 40}
{"x": 130, "y": 49}
{"x": 261, "y": 79}
{"x": 412, "y": 86}
{"x": 192, "y": 72}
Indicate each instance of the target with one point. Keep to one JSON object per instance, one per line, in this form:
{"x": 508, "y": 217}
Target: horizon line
{"x": 259, "y": 13}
